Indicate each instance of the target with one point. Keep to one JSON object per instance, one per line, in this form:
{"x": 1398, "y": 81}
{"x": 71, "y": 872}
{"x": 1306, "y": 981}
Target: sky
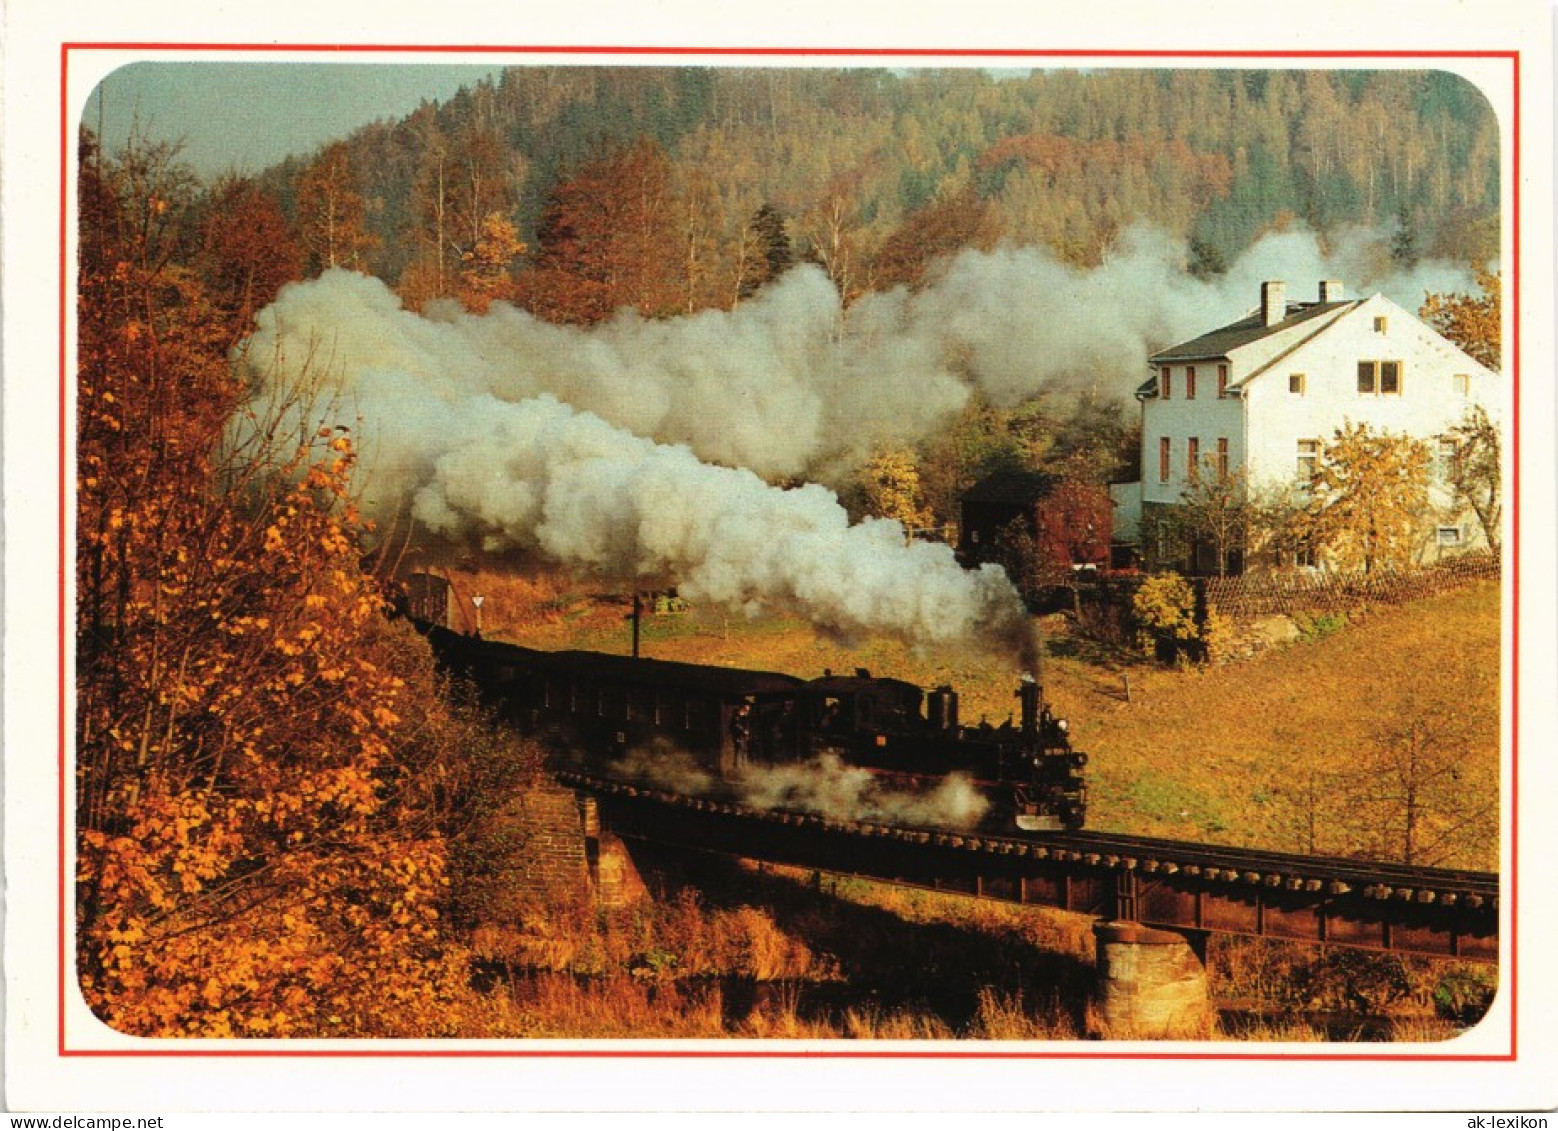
{"x": 245, "y": 117}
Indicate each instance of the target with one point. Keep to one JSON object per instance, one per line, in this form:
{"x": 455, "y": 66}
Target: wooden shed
{"x": 1069, "y": 522}
{"x": 431, "y": 599}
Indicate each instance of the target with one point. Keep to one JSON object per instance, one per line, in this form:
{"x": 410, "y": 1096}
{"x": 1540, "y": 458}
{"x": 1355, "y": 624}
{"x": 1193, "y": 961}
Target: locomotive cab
{"x": 842, "y": 710}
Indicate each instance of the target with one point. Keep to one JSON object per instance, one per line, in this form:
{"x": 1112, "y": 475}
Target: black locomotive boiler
{"x": 609, "y": 711}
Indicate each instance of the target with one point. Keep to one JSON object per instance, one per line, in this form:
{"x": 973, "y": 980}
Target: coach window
{"x": 641, "y": 704}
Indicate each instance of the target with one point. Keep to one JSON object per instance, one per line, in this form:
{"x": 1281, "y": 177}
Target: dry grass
{"x": 759, "y": 952}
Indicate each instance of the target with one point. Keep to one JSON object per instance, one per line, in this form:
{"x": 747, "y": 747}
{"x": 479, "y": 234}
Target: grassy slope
{"x": 1222, "y": 754}
{"x": 1217, "y": 755}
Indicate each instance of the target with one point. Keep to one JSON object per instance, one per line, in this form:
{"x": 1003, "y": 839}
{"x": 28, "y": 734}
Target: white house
{"x": 1265, "y": 394}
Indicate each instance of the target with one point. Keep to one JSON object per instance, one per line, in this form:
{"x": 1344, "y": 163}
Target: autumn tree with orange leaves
{"x": 1471, "y": 321}
{"x": 608, "y": 239}
{"x": 486, "y": 275}
{"x": 261, "y": 807}
{"x": 249, "y": 250}
{"x": 332, "y": 212}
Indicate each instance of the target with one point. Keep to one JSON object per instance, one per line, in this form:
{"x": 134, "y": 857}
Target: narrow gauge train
{"x": 603, "y": 706}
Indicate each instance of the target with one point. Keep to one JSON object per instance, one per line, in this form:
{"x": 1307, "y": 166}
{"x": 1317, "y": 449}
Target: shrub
{"x": 1165, "y": 608}
{"x": 1317, "y": 626}
{"x": 1464, "y": 996}
{"x": 1168, "y": 627}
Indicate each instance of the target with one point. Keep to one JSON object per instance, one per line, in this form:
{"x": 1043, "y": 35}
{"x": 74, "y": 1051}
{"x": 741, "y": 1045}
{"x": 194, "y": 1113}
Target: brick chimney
{"x": 1330, "y": 290}
{"x": 1273, "y": 303}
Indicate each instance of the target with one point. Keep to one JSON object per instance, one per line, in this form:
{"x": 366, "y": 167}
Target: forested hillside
{"x": 675, "y": 189}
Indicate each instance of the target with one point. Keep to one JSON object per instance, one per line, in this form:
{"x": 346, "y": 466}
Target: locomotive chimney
{"x": 943, "y": 709}
{"x": 1028, "y": 694}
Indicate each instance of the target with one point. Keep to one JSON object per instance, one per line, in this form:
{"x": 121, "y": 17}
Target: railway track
{"x": 1339, "y": 875}
{"x": 1320, "y": 877}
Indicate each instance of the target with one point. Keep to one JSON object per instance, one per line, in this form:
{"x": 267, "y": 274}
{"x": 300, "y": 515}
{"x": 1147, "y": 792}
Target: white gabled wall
{"x": 1427, "y": 405}
{"x": 1208, "y": 417}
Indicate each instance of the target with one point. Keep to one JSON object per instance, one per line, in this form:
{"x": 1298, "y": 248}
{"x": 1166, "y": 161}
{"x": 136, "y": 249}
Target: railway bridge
{"x": 1154, "y": 901}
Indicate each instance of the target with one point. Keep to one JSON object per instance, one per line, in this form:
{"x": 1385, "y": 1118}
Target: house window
{"x": 1449, "y": 536}
{"x": 1222, "y": 459}
{"x": 1381, "y": 325}
{"x": 1463, "y": 384}
{"x": 1166, "y": 382}
{"x": 1389, "y": 377}
{"x": 1222, "y": 380}
{"x": 1296, "y": 384}
{"x": 1308, "y": 459}
{"x": 1193, "y": 460}
{"x": 1304, "y": 555}
{"x": 1164, "y": 455}
{"x": 1379, "y": 377}
{"x": 1444, "y": 459}
{"x": 1190, "y": 382}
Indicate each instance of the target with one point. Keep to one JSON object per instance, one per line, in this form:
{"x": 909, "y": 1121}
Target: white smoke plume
{"x": 824, "y": 786}
{"x": 539, "y": 476}
{"x": 637, "y": 449}
{"x": 792, "y": 385}
{"x": 829, "y": 788}
{"x": 661, "y": 765}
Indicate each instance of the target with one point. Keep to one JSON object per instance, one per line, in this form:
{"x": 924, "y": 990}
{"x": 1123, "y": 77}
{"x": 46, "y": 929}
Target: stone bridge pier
{"x": 1152, "y": 984}
{"x": 614, "y": 879}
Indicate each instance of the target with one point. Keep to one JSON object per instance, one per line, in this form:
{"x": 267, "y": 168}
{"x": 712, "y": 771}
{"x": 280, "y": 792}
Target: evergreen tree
{"x": 1403, "y": 241}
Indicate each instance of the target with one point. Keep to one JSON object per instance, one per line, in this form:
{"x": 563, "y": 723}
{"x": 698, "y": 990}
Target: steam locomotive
{"x": 609, "y": 710}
